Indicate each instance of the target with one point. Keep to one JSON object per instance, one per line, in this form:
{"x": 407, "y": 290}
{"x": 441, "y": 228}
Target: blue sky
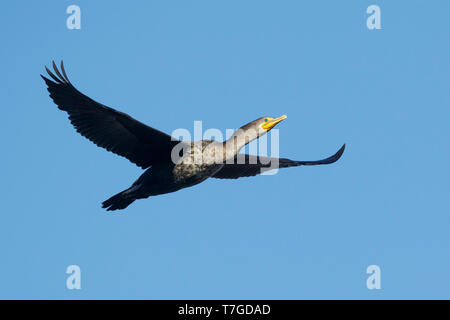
{"x": 304, "y": 233}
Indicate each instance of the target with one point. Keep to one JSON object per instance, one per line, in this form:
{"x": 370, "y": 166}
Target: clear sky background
{"x": 304, "y": 233}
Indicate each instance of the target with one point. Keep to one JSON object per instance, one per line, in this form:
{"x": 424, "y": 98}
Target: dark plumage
{"x": 152, "y": 149}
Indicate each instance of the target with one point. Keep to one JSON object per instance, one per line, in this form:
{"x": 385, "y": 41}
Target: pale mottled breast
{"x": 200, "y": 161}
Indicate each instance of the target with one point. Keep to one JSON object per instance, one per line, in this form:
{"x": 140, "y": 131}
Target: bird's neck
{"x": 237, "y": 141}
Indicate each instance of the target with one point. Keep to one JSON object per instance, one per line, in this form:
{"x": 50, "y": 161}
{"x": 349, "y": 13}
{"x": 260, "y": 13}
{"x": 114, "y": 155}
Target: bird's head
{"x": 255, "y": 129}
{"x": 267, "y": 123}
{"x": 251, "y": 131}
{"x": 262, "y": 125}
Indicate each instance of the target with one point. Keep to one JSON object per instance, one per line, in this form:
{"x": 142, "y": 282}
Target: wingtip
{"x": 58, "y": 78}
{"x": 46, "y": 80}
{"x": 64, "y": 72}
{"x": 338, "y": 154}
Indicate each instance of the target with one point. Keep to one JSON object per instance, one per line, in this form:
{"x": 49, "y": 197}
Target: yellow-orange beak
{"x": 271, "y": 122}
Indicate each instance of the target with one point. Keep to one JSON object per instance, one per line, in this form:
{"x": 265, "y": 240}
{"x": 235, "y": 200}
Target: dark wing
{"x": 107, "y": 128}
{"x": 245, "y": 165}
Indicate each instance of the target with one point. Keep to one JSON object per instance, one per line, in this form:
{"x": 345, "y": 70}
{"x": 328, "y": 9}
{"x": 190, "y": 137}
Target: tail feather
{"x": 118, "y": 201}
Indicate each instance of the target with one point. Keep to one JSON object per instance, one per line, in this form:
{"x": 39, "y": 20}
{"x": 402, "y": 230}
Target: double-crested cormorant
{"x": 171, "y": 165}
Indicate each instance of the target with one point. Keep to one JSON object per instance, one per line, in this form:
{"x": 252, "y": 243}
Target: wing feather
{"x": 247, "y": 165}
{"x": 108, "y": 128}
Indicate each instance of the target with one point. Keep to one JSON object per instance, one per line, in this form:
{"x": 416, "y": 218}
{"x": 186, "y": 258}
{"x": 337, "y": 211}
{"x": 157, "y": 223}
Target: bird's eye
{"x": 265, "y": 120}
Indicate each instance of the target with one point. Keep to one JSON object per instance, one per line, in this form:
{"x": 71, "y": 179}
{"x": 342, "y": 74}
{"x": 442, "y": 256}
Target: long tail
{"x": 119, "y": 201}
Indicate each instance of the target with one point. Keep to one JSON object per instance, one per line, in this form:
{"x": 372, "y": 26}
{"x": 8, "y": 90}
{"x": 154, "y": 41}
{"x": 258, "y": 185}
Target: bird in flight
{"x": 170, "y": 164}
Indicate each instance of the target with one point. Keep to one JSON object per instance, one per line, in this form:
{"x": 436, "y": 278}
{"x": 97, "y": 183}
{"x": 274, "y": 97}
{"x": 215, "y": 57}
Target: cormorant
{"x": 168, "y": 168}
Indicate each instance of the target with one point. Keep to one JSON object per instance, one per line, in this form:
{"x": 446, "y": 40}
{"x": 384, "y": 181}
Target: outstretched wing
{"x": 246, "y": 165}
{"x": 107, "y": 128}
